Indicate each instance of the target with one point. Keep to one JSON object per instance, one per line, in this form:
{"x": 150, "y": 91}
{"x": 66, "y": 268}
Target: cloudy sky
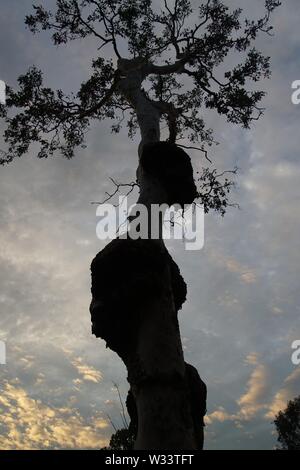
{"x": 242, "y": 313}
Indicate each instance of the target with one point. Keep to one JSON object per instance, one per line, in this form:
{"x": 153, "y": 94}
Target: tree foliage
{"x": 122, "y": 439}
{"x": 287, "y": 424}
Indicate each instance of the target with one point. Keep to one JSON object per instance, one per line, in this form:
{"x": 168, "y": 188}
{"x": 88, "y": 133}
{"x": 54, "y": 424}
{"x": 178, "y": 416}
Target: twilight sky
{"x": 242, "y": 313}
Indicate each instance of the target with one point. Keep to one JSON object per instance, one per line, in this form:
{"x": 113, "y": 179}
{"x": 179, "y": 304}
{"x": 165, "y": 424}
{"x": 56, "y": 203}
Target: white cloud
{"x": 28, "y": 423}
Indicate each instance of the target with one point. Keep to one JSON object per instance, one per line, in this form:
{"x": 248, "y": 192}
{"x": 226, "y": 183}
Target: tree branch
{"x": 195, "y": 148}
{"x": 117, "y": 185}
{"x": 111, "y": 30}
{"x": 105, "y": 99}
{"x": 176, "y": 67}
{"x": 88, "y": 26}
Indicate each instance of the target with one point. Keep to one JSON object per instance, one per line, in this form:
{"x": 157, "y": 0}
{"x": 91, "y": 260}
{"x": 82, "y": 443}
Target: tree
{"x": 167, "y": 62}
{"x": 287, "y": 424}
{"x": 122, "y": 439}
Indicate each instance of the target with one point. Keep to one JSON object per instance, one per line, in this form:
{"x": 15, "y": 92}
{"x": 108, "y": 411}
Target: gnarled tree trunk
{"x": 137, "y": 290}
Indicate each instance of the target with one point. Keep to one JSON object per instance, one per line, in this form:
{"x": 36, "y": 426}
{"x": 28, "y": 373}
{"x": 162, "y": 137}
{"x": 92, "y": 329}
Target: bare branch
{"x": 123, "y": 415}
{"x": 195, "y": 148}
{"x": 111, "y": 422}
{"x": 117, "y": 185}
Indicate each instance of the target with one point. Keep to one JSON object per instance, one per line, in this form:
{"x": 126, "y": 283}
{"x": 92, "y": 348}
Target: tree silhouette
{"x": 287, "y": 424}
{"x": 122, "y": 439}
{"x": 164, "y": 63}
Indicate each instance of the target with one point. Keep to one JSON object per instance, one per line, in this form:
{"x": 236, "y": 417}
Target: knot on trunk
{"x": 169, "y": 164}
{"x": 126, "y": 275}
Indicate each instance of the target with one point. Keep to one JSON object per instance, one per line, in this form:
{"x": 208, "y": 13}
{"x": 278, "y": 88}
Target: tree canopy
{"x": 180, "y": 52}
{"x": 287, "y": 424}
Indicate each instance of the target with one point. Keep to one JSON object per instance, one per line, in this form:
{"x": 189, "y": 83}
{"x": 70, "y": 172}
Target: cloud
{"x": 258, "y": 399}
{"x": 219, "y": 415}
{"x": 252, "y": 359}
{"x": 28, "y": 423}
{"x": 253, "y": 400}
{"x": 88, "y": 373}
{"x": 288, "y": 392}
{"x": 257, "y": 387}
{"x": 244, "y": 272}
{"x": 278, "y": 403}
